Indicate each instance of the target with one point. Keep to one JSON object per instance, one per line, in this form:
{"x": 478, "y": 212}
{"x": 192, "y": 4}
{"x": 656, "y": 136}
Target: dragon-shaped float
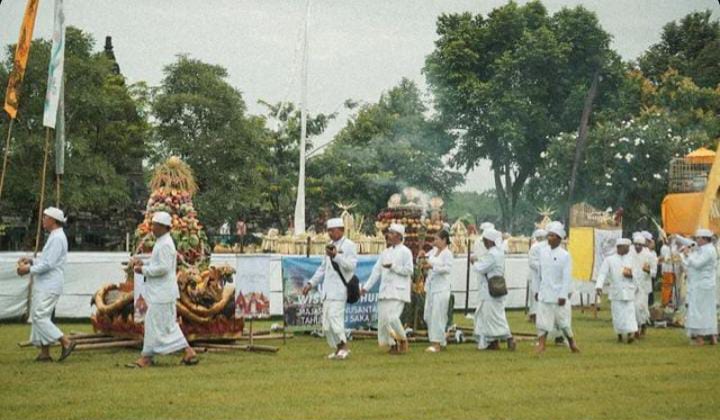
{"x": 206, "y": 308}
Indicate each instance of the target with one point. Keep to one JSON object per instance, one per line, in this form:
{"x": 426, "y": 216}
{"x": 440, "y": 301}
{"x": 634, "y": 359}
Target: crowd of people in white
{"x": 627, "y": 275}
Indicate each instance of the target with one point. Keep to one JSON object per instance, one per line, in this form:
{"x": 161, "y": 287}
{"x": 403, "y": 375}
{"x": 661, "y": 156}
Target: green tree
{"x": 627, "y": 161}
{"x": 691, "y": 46}
{"x": 202, "y": 119}
{"x": 105, "y": 134}
{"x": 509, "y": 82}
{"x": 384, "y": 147}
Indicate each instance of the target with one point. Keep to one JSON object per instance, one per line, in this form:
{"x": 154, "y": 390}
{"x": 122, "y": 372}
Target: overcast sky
{"x": 358, "y": 48}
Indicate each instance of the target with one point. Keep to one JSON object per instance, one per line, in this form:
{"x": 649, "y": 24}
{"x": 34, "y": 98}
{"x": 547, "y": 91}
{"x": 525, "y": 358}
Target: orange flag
{"x": 12, "y": 96}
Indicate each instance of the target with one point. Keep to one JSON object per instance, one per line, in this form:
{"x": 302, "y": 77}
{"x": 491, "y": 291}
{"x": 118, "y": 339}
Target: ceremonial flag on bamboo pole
{"x": 12, "y": 95}
{"x": 55, "y": 68}
{"x": 60, "y": 133}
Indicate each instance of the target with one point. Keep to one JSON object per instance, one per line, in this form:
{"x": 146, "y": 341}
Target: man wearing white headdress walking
{"x": 491, "y": 324}
{"x": 394, "y": 269}
{"x": 48, "y": 273}
{"x": 701, "y": 262}
{"x": 162, "y": 331}
{"x": 617, "y": 270}
{"x": 337, "y": 268}
{"x": 555, "y": 281}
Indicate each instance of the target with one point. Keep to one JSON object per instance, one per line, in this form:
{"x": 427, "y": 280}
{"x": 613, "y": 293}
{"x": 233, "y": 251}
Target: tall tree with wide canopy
{"x": 510, "y": 81}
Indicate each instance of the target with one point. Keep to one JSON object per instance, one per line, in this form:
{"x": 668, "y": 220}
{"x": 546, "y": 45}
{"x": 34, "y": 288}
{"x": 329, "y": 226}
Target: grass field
{"x": 659, "y": 378}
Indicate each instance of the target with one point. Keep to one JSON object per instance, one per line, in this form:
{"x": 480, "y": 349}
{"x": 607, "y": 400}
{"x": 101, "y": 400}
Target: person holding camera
{"x": 338, "y": 267}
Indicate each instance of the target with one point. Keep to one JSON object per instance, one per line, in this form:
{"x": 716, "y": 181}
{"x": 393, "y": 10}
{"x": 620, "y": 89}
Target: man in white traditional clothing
{"x": 701, "y": 265}
{"x": 617, "y": 270}
{"x": 394, "y": 269}
{"x": 48, "y": 273}
{"x": 651, "y": 252}
{"x": 162, "y": 332}
{"x": 555, "y": 282}
{"x": 479, "y": 246}
{"x": 438, "y": 285}
{"x": 337, "y": 268}
{"x": 539, "y": 237}
{"x": 642, "y": 264}
{"x": 491, "y": 325}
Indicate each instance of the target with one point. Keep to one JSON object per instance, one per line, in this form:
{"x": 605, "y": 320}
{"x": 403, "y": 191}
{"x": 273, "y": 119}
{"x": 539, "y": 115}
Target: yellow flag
{"x": 12, "y": 96}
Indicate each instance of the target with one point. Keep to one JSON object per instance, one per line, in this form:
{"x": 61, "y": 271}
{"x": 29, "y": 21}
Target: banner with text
{"x": 305, "y": 312}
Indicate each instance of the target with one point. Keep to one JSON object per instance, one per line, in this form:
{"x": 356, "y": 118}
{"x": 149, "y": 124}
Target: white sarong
{"x": 551, "y": 316}
{"x": 623, "y": 316}
{"x": 333, "y": 322}
{"x": 43, "y": 332}
{"x": 436, "y": 316}
{"x": 162, "y": 332}
{"x": 490, "y": 322}
{"x": 701, "y": 313}
{"x": 642, "y": 311}
{"x": 389, "y": 324}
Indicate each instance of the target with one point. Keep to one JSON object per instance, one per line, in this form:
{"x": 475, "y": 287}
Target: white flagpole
{"x": 299, "y": 222}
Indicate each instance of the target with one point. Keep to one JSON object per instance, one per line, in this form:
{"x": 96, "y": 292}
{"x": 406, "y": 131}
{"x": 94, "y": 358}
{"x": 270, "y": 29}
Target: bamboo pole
{"x": 6, "y": 155}
{"x": 245, "y": 347}
{"x": 115, "y": 344}
{"x": 58, "y": 189}
{"x": 77, "y": 335}
{"x": 43, "y": 179}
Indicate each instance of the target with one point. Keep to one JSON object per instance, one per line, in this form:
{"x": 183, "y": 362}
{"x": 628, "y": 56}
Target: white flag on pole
{"x": 60, "y": 133}
{"x": 55, "y": 67}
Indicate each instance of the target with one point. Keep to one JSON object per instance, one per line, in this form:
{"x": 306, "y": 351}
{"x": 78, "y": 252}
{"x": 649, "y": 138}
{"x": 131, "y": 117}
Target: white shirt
{"x": 396, "y": 280}
{"x": 438, "y": 279}
{"x": 653, "y": 259}
{"x": 160, "y": 272}
{"x": 346, "y": 259}
{"x": 534, "y": 263}
{"x": 489, "y": 265}
{"x": 639, "y": 260}
{"x": 666, "y": 252}
{"x": 555, "y": 278}
{"x": 49, "y": 270}
{"x": 611, "y": 270}
{"x": 701, "y": 268}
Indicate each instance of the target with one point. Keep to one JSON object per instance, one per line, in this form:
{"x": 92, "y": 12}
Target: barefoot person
{"x": 394, "y": 270}
{"x": 162, "y": 332}
{"x": 618, "y": 272}
{"x": 437, "y": 290}
{"x": 701, "y": 265}
{"x": 554, "y": 289}
{"x": 340, "y": 255}
{"x": 48, "y": 273}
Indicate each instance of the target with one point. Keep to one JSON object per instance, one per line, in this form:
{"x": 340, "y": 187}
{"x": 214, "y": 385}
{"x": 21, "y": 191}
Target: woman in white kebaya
{"x": 437, "y": 290}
